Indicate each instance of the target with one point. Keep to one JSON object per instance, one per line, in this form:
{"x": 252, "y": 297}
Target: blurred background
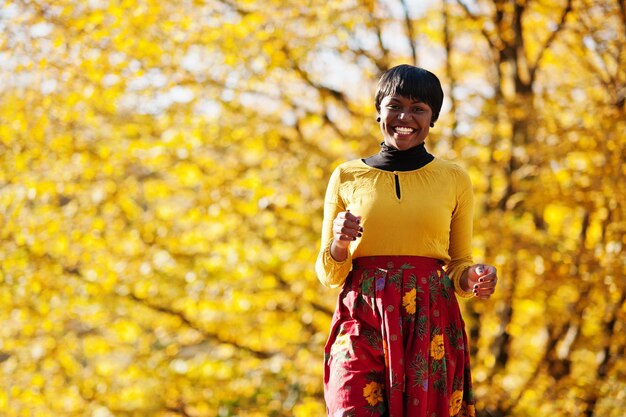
{"x": 163, "y": 168}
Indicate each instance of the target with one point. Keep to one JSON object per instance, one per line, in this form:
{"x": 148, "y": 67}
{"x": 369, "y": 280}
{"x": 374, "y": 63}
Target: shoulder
{"x": 450, "y": 168}
{"x": 350, "y": 175}
{"x": 353, "y": 165}
{"x": 351, "y": 169}
{"x": 454, "y": 174}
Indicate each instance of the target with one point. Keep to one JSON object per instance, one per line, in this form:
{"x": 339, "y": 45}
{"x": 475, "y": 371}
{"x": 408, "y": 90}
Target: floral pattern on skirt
{"x": 397, "y": 345}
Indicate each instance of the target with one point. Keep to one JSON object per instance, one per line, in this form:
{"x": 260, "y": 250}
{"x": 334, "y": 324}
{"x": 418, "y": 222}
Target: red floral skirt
{"x": 397, "y": 345}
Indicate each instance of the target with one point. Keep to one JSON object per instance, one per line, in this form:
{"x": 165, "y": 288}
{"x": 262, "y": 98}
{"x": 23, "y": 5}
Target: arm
{"x": 334, "y": 260}
{"x": 469, "y": 280}
{"x": 460, "y": 248}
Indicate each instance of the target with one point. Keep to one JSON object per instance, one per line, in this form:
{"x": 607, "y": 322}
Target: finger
{"x": 345, "y": 238}
{"x": 346, "y": 230}
{"x": 352, "y": 217}
{"x": 483, "y": 289}
{"x": 349, "y": 216}
{"x": 490, "y": 270}
{"x": 349, "y": 224}
{"x": 490, "y": 276}
{"x": 347, "y": 227}
{"x": 350, "y": 232}
{"x": 485, "y": 280}
{"x": 484, "y": 270}
{"x": 483, "y": 296}
{"x": 485, "y": 285}
{"x": 346, "y": 233}
{"x": 346, "y": 215}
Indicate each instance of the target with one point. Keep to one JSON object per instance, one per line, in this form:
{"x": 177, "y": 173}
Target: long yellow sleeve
{"x": 461, "y": 229}
{"x": 330, "y": 272}
{"x": 432, "y": 217}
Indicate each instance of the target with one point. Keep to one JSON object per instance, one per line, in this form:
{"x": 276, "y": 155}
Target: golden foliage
{"x": 163, "y": 171}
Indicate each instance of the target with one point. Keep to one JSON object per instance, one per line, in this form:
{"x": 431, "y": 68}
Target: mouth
{"x": 404, "y": 130}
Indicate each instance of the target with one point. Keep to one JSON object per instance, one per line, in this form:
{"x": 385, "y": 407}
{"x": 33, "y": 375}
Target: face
{"x": 405, "y": 122}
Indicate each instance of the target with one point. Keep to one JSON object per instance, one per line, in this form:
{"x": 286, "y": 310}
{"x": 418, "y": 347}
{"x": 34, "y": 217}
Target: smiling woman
{"x": 397, "y": 236}
{"x": 404, "y": 122}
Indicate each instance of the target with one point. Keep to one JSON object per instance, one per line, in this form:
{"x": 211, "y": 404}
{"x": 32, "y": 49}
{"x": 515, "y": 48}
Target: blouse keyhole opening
{"x": 398, "y": 193}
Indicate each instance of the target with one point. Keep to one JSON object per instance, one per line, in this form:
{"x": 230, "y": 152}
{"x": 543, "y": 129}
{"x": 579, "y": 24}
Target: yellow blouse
{"x": 432, "y": 217}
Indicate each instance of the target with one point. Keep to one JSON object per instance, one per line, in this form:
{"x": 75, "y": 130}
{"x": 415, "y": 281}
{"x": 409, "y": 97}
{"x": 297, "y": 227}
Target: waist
{"x": 394, "y": 262}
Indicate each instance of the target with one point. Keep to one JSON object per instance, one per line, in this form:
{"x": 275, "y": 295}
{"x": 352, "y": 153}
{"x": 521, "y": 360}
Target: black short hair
{"x": 412, "y": 82}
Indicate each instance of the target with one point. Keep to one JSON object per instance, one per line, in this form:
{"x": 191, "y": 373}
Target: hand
{"x": 482, "y": 280}
{"x": 346, "y": 228}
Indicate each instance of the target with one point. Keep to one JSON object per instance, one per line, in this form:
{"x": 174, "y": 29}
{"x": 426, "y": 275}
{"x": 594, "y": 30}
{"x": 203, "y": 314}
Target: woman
{"x": 392, "y": 222}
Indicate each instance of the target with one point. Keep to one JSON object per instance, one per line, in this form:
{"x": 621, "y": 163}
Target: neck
{"x": 392, "y": 159}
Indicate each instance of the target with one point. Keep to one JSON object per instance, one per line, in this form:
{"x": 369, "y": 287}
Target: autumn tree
{"x": 163, "y": 171}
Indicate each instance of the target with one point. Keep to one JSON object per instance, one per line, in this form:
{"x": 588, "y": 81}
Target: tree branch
{"x": 502, "y": 342}
{"x": 550, "y": 40}
{"x": 604, "y": 366}
{"x": 493, "y": 45}
{"x": 180, "y": 315}
{"x": 207, "y": 335}
{"x": 323, "y": 90}
{"x": 382, "y": 66}
{"x": 233, "y": 5}
{"x": 556, "y": 334}
{"x": 409, "y": 30}
{"x": 321, "y": 308}
{"x": 447, "y": 40}
{"x": 622, "y": 10}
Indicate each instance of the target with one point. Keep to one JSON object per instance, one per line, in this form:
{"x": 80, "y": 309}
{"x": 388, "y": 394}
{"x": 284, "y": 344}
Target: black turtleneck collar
{"x": 392, "y": 159}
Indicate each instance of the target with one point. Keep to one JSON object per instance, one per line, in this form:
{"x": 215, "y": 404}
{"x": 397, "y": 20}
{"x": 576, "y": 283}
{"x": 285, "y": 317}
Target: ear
{"x": 432, "y": 124}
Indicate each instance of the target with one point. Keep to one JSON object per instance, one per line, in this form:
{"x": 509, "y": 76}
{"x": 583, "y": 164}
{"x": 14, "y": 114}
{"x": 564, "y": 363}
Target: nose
{"x": 401, "y": 115}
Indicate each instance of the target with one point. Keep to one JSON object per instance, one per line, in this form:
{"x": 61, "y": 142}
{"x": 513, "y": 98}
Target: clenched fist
{"x": 346, "y": 228}
{"x": 482, "y": 280}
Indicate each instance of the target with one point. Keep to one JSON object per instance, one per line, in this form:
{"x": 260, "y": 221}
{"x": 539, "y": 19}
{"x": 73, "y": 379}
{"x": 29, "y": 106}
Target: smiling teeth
{"x": 404, "y": 130}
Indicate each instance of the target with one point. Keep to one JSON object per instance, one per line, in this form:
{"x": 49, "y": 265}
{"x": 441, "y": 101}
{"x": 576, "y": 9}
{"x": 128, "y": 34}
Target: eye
{"x": 418, "y": 109}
